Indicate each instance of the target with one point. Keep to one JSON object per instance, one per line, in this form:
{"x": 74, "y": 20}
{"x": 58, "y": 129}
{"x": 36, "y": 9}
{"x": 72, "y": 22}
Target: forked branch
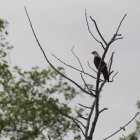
{"x": 91, "y": 31}
{"x": 120, "y": 24}
{"x": 98, "y": 30}
{"x": 45, "y": 56}
{"x": 81, "y": 71}
{"x": 72, "y": 50}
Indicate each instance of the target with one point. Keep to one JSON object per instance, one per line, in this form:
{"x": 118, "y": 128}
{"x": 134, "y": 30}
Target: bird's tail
{"x": 106, "y": 75}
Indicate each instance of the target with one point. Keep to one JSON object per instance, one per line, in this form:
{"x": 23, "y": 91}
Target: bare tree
{"x": 88, "y": 126}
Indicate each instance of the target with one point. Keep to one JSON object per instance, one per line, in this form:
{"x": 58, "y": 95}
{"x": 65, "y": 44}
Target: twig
{"x": 91, "y": 67}
{"x": 74, "y": 67}
{"x": 111, "y": 72}
{"x": 80, "y": 128}
{"x": 75, "y": 121}
{"x": 48, "y": 59}
{"x": 120, "y": 24}
{"x": 114, "y": 76}
{"x": 123, "y": 127}
{"x": 92, "y": 89}
{"x": 85, "y": 106}
{"x": 98, "y": 30}
{"x": 92, "y": 33}
{"x": 71, "y": 118}
{"x": 86, "y": 85}
{"x": 110, "y": 62}
{"x": 118, "y": 38}
{"x": 116, "y": 34}
{"x": 49, "y": 137}
{"x": 77, "y": 58}
{"x": 94, "y": 71}
{"x": 82, "y": 117}
{"x": 103, "y": 110}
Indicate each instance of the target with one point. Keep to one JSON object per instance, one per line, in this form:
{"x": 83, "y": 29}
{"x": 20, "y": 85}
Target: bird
{"x": 103, "y": 66}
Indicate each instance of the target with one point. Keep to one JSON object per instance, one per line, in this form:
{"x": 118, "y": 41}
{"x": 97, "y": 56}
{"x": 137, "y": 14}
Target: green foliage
{"x": 32, "y": 102}
{"x": 136, "y": 134}
{"x": 130, "y": 137}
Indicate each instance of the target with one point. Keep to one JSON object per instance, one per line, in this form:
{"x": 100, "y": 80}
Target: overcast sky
{"x": 60, "y": 24}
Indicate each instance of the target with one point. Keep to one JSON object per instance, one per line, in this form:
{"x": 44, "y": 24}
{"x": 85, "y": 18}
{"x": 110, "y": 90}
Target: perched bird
{"x": 103, "y": 67}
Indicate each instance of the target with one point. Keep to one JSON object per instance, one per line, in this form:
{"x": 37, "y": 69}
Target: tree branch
{"x": 74, "y": 67}
{"x": 110, "y": 62}
{"x": 92, "y": 33}
{"x": 75, "y": 121}
{"x": 85, "y": 106}
{"x": 49, "y": 137}
{"x": 103, "y": 110}
{"x": 114, "y": 76}
{"x": 98, "y": 30}
{"x": 122, "y": 128}
{"x": 86, "y": 85}
{"x": 48, "y": 59}
{"x": 91, "y": 68}
{"x": 116, "y": 34}
{"x": 77, "y": 58}
{"x": 120, "y": 24}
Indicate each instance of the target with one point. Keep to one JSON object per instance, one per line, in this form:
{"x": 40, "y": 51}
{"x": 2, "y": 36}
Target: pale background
{"x": 60, "y": 24}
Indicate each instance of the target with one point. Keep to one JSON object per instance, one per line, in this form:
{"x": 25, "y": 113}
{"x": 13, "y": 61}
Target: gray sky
{"x": 60, "y": 24}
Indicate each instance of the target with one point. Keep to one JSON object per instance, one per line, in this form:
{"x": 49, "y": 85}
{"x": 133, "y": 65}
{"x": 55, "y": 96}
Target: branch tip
{"x": 123, "y": 127}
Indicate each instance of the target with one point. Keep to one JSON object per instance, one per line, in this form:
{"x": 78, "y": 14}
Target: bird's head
{"x": 95, "y": 53}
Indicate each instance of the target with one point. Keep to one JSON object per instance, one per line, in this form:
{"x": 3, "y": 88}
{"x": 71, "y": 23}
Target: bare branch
{"x": 80, "y": 128}
{"x": 91, "y": 67}
{"x": 49, "y": 137}
{"x": 94, "y": 71}
{"x": 48, "y": 59}
{"x": 82, "y": 117}
{"x": 77, "y": 58}
{"x": 85, "y": 106}
{"x": 116, "y": 34}
{"x": 92, "y": 89}
{"x": 123, "y": 127}
{"x": 74, "y": 67}
{"x": 75, "y": 121}
{"x": 98, "y": 30}
{"x": 71, "y": 118}
{"x": 110, "y": 62}
{"x": 103, "y": 110}
{"x": 118, "y": 38}
{"x": 120, "y": 24}
{"x": 92, "y": 33}
{"x": 111, "y": 72}
{"x": 86, "y": 85}
{"x": 114, "y": 77}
